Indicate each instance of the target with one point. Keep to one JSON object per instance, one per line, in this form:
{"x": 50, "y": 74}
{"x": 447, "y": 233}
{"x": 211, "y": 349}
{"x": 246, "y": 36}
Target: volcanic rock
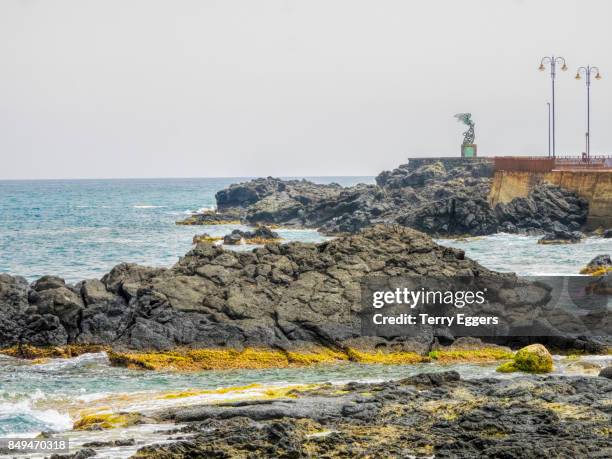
{"x": 598, "y": 265}
{"x": 438, "y": 196}
{"x": 426, "y": 415}
{"x": 280, "y": 296}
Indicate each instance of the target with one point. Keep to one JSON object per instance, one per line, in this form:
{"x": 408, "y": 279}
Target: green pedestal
{"x": 468, "y": 151}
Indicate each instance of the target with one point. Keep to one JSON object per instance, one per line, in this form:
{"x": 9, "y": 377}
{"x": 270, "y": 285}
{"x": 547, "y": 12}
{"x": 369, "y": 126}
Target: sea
{"x": 80, "y": 229}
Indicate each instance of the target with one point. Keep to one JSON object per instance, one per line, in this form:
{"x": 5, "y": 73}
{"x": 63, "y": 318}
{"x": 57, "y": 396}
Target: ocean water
{"x": 80, "y": 229}
{"x": 524, "y": 256}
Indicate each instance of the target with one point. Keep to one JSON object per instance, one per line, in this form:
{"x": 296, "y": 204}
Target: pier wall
{"x": 593, "y": 185}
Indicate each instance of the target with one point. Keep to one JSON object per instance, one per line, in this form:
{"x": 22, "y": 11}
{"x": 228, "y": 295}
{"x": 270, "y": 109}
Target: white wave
{"x": 50, "y": 418}
{"x": 145, "y": 206}
{"x": 53, "y": 365}
{"x": 200, "y": 210}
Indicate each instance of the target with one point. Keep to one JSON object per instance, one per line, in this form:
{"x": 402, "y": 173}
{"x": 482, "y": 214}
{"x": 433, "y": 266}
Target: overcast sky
{"x": 192, "y": 88}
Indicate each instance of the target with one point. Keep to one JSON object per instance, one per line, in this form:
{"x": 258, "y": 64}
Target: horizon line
{"x": 177, "y": 177}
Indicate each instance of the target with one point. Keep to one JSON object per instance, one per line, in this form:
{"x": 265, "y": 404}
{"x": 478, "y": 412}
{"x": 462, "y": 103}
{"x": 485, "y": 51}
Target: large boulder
{"x": 51, "y": 296}
{"x": 534, "y": 358}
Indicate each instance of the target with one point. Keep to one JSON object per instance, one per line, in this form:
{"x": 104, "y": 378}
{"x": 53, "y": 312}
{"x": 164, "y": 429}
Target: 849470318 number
{"x": 34, "y": 445}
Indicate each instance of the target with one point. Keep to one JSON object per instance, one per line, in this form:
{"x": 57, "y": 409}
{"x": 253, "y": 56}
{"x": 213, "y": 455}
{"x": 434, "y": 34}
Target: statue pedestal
{"x": 469, "y": 150}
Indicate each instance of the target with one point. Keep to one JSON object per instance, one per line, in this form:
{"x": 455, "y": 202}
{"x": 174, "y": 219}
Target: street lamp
{"x": 548, "y": 104}
{"x": 552, "y": 61}
{"x": 587, "y": 73}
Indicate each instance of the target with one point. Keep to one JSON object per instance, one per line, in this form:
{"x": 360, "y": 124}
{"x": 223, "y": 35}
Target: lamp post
{"x": 587, "y": 73}
{"x": 548, "y": 103}
{"x": 552, "y": 61}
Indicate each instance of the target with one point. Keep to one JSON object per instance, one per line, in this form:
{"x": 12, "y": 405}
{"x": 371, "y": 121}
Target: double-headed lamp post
{"x": 587, "y": 76}
{"x": 552, "y": 61}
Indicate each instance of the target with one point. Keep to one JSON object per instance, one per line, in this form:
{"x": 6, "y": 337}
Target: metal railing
{"x": 524, "y": 163}
{"x": 541, "y": 164}
{"x": 582, "y": 162}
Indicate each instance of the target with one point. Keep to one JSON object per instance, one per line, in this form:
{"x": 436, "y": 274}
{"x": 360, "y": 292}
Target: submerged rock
{"x": 213, "y": 217}
{"x": 261, "y": 235}
{"x": 561, "y": 235}
{"x": 206, "y": 238}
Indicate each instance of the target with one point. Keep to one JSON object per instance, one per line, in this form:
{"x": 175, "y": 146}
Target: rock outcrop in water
{"x": 598, "y": 266}
{"x": 428, "y": 415}
{"x": 261, "y": 235}
{"x": 439, "y": 197}
{"x": 281, "y": 296}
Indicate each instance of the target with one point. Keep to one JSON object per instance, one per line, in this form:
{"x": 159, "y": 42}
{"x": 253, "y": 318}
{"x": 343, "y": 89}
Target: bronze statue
{"x": 469, "y": 135}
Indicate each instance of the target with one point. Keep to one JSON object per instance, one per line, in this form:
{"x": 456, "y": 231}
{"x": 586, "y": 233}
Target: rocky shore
{"x": 439, "y": 197}
{"x": 278, "y": 305}
{"x": 297, "y": 304}
{"x": 431, "y": 414}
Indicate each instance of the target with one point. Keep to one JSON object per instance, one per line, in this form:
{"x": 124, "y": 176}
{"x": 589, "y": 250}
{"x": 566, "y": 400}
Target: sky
{"x": 239, "y": 88}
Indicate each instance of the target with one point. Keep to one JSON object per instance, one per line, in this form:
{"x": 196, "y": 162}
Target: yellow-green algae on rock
{"x": 485, "y": 354}
{"x": 106, "y": 421}
{"x": 252, "y": 358}
{"x": 220, "y": 391}
{"x": 596, "y": 271}
{"x": 290, "y": 391}
{"x": 316, "y": 356}
{"x": 221, "y": 359}
{"x": 206, "y": 238}
{"x": 201, "y": 359}
{"x": 187, "y": 359}
{"x": 194, "y": 221}
{"x": 534, "y": 358}
{"x": 388, "y": 358}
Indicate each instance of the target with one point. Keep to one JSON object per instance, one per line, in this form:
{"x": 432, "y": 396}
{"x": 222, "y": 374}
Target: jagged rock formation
{"x": 548, "y": 208}
{"x": 439, "y": 197}
{"x": 285, "y": 296}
